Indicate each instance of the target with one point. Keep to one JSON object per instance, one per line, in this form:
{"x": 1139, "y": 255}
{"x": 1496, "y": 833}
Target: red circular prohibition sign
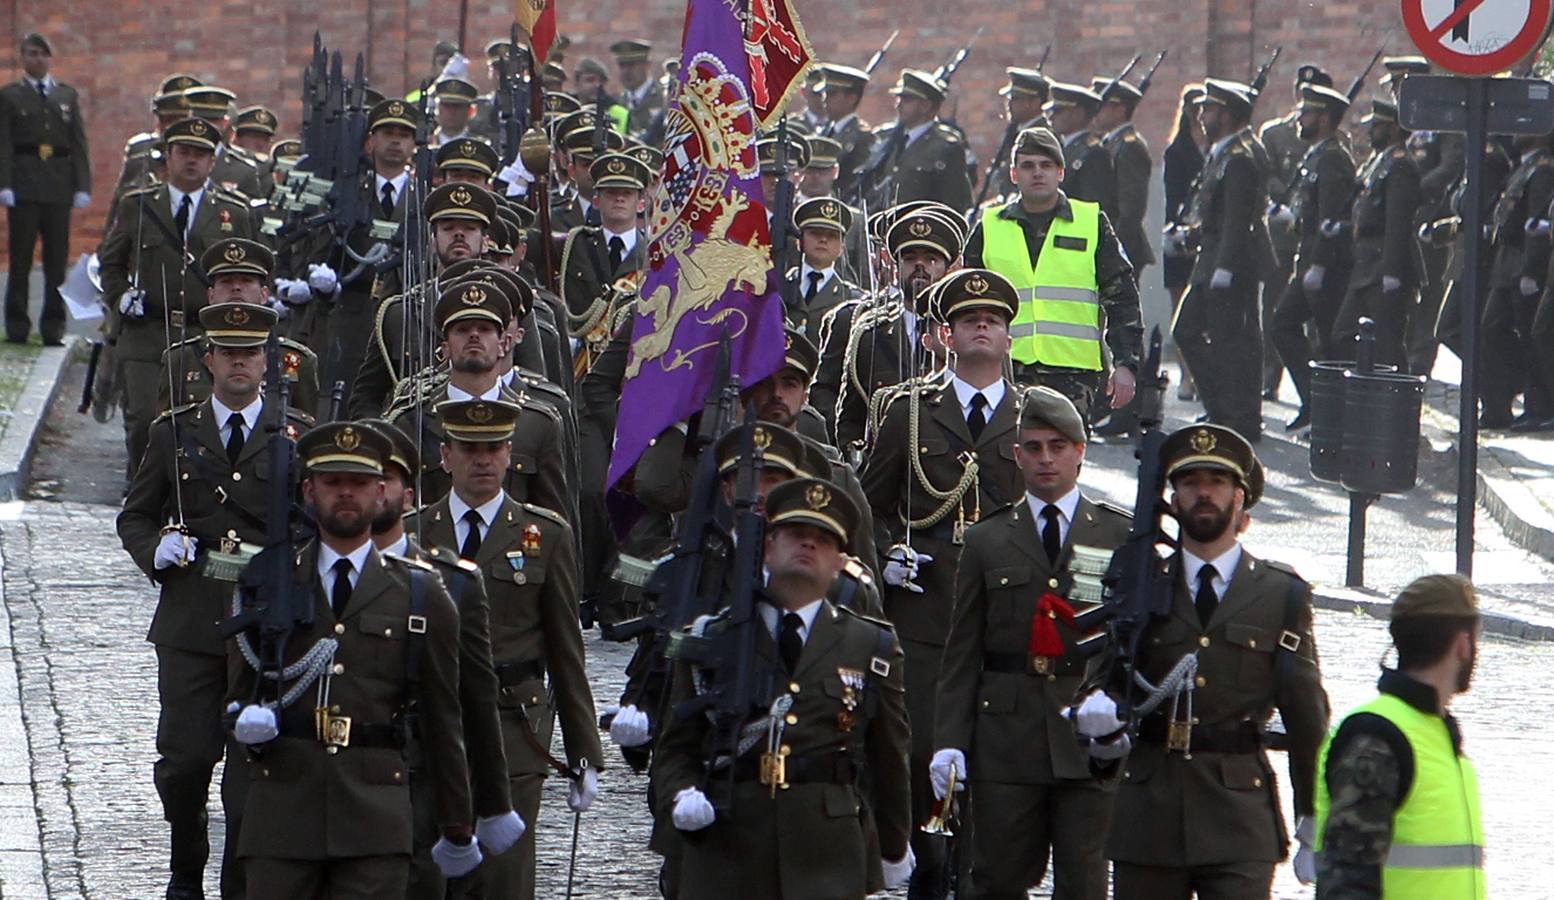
{"x": 1428, "y": 38}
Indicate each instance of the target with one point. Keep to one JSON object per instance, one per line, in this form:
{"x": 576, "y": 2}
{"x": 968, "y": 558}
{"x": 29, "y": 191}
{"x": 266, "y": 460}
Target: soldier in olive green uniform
{"x": 1387, "y": 270}
{"x": 917, "y": 157}
{"x": 239, "y": 271}
{"x": 1319, "y": 204}
{"x": 1197, "y": 808}
{"x": 253, "y": 132}
{"x": 497, "y": 826}
{"x": 455, "y": 110}
{"x": 207, "y": 470}
{"x": 596, "y": 257}
{"x": 1025, "y": 93}
{"x": 815, "y": 286}
{"x": 234, "y": 171}
{"x": 141, "y": 169}
{"x": 329, "y": 811}
{"x": 842, "y": 90}
{"x": 526, "y": 556}
{"x": 1131, "y": 167}
{"x": 1088, "y": 174}
{"x": 944, "y": 458}
{"x": 153, "y": 293}
{"x": 1218, "y": 326}
{"x": 1012, "y": 666}
{"x": 642, "y": 95}
{"x": 45, "y": 171}
{"x": 834, "y": 819}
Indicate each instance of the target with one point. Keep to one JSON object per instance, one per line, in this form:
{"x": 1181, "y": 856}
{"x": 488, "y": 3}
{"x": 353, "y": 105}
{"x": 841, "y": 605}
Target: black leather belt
{"x": 826, "y": 768}
{"x": 52, "y": 151}
{"x": 389, "y": 737}
{"x": 1235, "y": 737}
{"x": 509, "y": 674}
{"x": 1030, "y": 664}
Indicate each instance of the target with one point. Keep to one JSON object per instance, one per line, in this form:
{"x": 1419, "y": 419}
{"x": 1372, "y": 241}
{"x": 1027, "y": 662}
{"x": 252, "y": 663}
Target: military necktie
{"x": 978, "y": 418}
{"x": 43, "y": 91}
{"x": 387, "y": 200}
{"x": 1206, "y": 600}
{"x": 814, "y": 287}
{"x": 235, "y": 438}
{"x": 340, "y": 593}
{"x": 617, "y": 253}
{"x": 472, "y": 539}
{"x": 181, "y": 218}
{"x": 790, "y": 643}
{"x": 1049, "y": 533}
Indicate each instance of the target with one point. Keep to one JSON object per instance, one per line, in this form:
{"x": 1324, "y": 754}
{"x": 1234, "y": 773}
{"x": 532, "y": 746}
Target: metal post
{"x": 1467, "y": 413}
{"x": 1354, "y": 574}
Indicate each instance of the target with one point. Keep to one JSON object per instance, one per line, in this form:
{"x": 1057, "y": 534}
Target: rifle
{"x": 782, "y": 215}
{"x": 1137, "y": 584}
{"x": 1046, "y": 51}
{"x": 1359, "y": 80}
{"x": 1126, "y": 70}
{"x": 1006, "y": 144}
{"x": 879, "y": 55}
{"x": 1150, "y": 75}
{"x": 945, "y": 73}
{"x": 91, "y": 376}
{"x": 1260, "y": 80}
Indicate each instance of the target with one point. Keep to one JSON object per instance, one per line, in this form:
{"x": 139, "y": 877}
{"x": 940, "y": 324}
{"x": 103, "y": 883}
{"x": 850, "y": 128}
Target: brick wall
{"x": 115, "y": 53}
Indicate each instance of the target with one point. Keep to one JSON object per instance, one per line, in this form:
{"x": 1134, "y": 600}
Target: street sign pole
{"x": 1467, "y": 413}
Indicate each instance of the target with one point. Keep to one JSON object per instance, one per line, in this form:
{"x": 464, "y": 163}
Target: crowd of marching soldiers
{"x": 929, "y": 553}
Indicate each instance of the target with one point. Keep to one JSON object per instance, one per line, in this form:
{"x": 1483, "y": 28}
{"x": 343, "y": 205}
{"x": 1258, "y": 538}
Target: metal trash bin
{"x": 1327, "y": 417}
{"x": 1379, "y": 452}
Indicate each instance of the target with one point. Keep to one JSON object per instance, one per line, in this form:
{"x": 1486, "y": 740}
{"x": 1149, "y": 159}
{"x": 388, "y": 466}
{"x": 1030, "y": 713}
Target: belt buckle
{"x": 45, "y": 151}
{"x": 1179, "y": 736}
{"x": 337, "y": 730}
{"x": 1036, "y": 664}
{"x": 175, "y": 317}
{"x": 774, "y": 770}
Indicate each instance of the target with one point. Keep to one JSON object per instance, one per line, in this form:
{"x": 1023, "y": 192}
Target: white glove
{"x": 584, "y": 789}
{"x": 1528, "y": 285}
{"x": 1305, "y": 857}
{"x": 1279, "y": 214}
{"x": 454, "y": 861}
{"x": 901, "y": 565}
{"x": 1536, "y": 227}
{"x": 1390, "y": 284}
{"x": 1332, "y": 228}
{"x": 322, "y": 279}
{"x": 293, "y": 291}
{"x": 81, "y": 200}
{"x": 692, "y": 810}
{"x": 132, "y": 303}
{"x": 7, "y": 197}
{"x": 456, "y": 67}
{"x": 1220, "y": 279}
{"x": 1174, "y": 243}
{"x": 629, "y": 728}
{"x": 899, "y": 872}
{"x": 282, "y": 311}
{"x": 1115, "y": 750}
{"x": 1097, "y": 716}
{"x": 517, "y": 178}
{"x": 175, "y": 549}
{"x": 945, "y": 761}
{"x": 1312, "y": 280}
{"x": 497, "y": 833}
{"x": 255, "y": 725}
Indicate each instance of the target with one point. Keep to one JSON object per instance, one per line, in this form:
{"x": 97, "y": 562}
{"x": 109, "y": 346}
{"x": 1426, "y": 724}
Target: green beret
{"x": 1039, "y": 142}
{"x": 1044, "y": 407}
{"x": 1436, "y": 595}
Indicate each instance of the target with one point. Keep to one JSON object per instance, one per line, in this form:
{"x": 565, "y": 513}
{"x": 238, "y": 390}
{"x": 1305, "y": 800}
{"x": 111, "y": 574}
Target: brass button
{"x": 919, "y": 450}
{"x": 1052, "y": 678}
{"x": 339, "y": 629}
{"x": 396, "y": 776}
{"x": 265, "y": 772}
{"x": 1257, "y": 782}
{"x": 793, "y": 687}
{"x": 1127, "y": 774}
{"x": 517, "y": 467}
{"x": 184, "y": 476}
{"x": 792, "y": 719}
{"x": 388, "y": 632}
{"x": 1003, "y": 581}
{"x": 1200, "y": 681}
{"x": 1252, "y": 643}
{"x": 1052, "y": 614}
{"x": 334, "y": 710}
{"x": 1186, "y": 756}
{"x": 232, "y": 533}
{"x": 784, "y": 750}
{"x": 339, "y": 669}
{"x": 1052, "y": 582}
{"x": 1195, "y": 720}
{"x": 534, "y": 699}
{"x": 1203, "y": 641}
{"x": 331, "y": 750}
{"x": 986, "y": 704}
{"x": 785, "y": 785}
{"x": 237, "y": 476}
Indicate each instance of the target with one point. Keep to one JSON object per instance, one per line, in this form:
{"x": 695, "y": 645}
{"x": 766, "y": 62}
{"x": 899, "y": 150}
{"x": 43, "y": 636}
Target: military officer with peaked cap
{"x": 1088, "y": 174}
{"x": 206, "y": 470}
{"x": 235, "y": 170}
{"x": 467, "y": 159}
{"x": 1014, "y": 662}
{"x": 239, "y": 271}
{"x": 816, "y": 285}
{"x": 917, "y": 157}
{"x": 1025, "y": 93}
{"x": 641, "y": 94}
{"x": 1197, "y": 808}
{"x": 842, "y": 90}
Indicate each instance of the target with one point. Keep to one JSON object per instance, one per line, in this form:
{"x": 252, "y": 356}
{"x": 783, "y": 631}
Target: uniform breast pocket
{"x": 1255, "y": 647}
{"x": 511, "y": 606}
{"x": 1005, "y": 586}
{"x": 383, "y": 638}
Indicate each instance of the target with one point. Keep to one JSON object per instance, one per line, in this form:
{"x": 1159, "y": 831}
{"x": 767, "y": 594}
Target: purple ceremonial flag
{"x": 709, "y": 255}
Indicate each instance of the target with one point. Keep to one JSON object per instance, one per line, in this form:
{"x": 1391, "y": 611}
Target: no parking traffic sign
{"x": 1476, "y": 37}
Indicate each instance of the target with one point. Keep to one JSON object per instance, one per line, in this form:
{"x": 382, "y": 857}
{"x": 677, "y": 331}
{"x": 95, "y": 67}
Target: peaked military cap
{"x": 811, "y": 501}
{"x": 499, "y": 49}
{"x": 1436, "y": 595}
{"x": 1209, "y": 446}
{"x": 799, "y": 352}
{"x": 917, "y": 83}
{"x": 553, "y": 74}
{"x": 1322, "y": 99}
{"x": 177, "y": 83}
{"x": 289, "y": 148}
{"x": 455, "y": 91}
{"x": 1039, "y": 141}
{"x": 631, "y": 50}
{"x": 925, "y": 228}
{"x": 478, "y": 421}
{"x": 1064, "y": 94}
{"x": 210, "y": 101}
{"x": 1044, "y": 407}
{"x": 237, "y": 324}
{"x": 468, "y": 153}
{"x": 255, "y": 118}
{"x": 1232, "y": 95}
{"x": 590, "y": 66}
{"x": 237, "y": 256}
{"x": 35, "y": 39}
{"x": 559, "y": 103}
{"x": 456, "y": 200}
{"x": 394, "y": 112}
{"x": 193, "y": 131}
{"x": 472, "y": 299}
{"x": 823, "y": 212}
{"x": 839, "y": 77}
{"x": 169, "y": 105}
{"x": 1120, "y": 90}
{"x": 1381, "y": 111}
{"x": 652, "y": 157}
{"x": 348, "y": 447}
{"x": 517, "y": 292}
{"x": 965, "y": 290}
{"x": 1310, "y": 73}
{"x": 403, "y": 452}
{"x": 619, "y": 170}
{"x": 371, "y": 96}
{"x": 1399, "y": 67}
{"x": 1029, "y": 82}
{"x": 797, "y": 154}
{"x": 521, "y": 215}
{"x": 579, "y": 142}
{"x": 780, "y": 448}
{"x": 499, "y": 236}
{"x": 824, "y": 152}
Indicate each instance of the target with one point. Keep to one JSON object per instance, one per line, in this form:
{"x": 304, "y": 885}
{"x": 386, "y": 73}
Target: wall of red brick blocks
{"x": 115, "y": 53}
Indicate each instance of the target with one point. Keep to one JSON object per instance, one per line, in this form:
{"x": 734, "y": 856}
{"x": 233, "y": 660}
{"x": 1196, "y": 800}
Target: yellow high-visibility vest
{"x": 1059, "y": 317}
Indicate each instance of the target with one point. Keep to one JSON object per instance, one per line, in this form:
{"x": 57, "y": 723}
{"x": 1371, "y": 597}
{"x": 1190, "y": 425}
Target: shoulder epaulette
{"x": 948, "y": 133}
{"x": 176, "y": 411}
{"x": 186, "y": 342}
{"x": 1114, "y": 508}
{"x": 298, "y": 346}
{"x": 136, "y": 192}
{"x": 878, "y": 623}
{"x": 857, "y": 570}
{"x": 301, "y": 416}
{"x": 545, "y": 512}
{"x": 452, "y": 560}
{"x": 421, "y": 564}
{"x": 1282, "y": 567}
{"x": 233, "y": 195}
